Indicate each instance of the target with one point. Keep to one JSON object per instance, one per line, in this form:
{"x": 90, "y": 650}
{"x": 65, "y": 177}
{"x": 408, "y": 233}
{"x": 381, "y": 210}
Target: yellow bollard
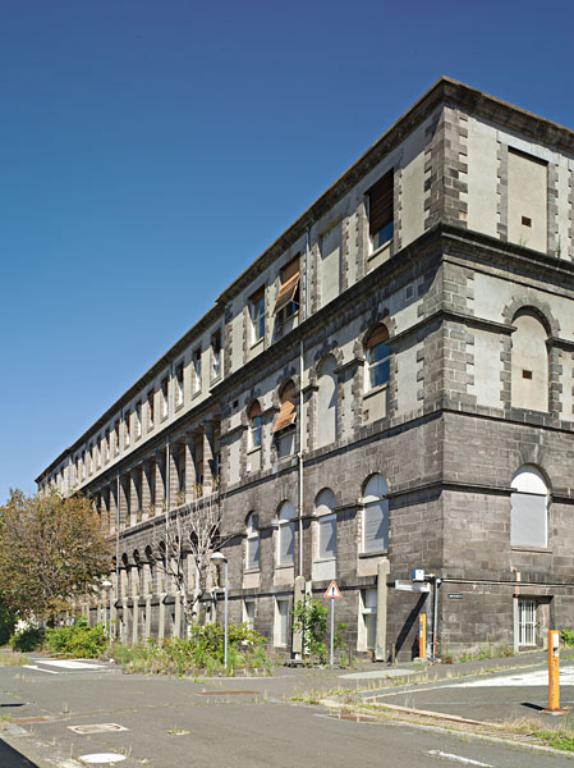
{"x": 423, "y": 636}
{"x": 554, "y": 671}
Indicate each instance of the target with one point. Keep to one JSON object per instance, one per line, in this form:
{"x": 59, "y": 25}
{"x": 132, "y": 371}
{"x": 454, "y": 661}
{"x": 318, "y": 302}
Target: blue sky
{"x": 151, "y": 149}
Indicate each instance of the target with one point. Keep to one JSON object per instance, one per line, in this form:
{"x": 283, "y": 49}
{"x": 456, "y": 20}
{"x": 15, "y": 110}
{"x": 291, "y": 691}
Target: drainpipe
{"x": 437, "y": 583}
{"x": 117, "y": 548}
{"x": 300, "y": 510}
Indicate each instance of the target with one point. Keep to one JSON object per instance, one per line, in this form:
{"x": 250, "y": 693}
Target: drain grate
{"x": 88, "y": 730}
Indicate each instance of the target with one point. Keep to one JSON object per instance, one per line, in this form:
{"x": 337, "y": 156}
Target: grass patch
{"x": 202, "y": 654}
{"x": 12, "y": 660}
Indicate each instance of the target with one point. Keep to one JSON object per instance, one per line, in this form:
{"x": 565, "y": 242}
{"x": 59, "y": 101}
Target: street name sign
{"x": 408, "y": 586}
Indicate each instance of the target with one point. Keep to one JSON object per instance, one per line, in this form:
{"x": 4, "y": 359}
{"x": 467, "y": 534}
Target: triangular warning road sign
{"x": 333, "y": 592}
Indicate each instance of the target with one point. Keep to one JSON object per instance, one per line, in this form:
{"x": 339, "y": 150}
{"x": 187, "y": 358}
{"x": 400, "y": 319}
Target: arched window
{"x": 325, "y": 503}
{"x": 327, "y": 403}
{"x": 375, "y": 515}
{"x": 529, "y": 516}
{"x": 529, "y": 363}
{"x": 255, "y": 419}
{"x": 378, "y": 358}
{"x": 286, "y": 535}
{"x": 252, "y": 549}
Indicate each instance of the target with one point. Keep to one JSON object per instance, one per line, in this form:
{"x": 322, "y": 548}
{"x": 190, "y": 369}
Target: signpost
{"x": 332, "y": 593}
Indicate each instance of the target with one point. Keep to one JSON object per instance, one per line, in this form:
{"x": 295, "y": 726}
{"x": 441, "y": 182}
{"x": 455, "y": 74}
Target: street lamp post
{"x": 107, "y": 585}
{"x": 218, "y": 558}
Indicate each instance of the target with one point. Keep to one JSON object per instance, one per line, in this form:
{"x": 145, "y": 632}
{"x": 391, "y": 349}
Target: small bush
{"x": 79, "y": 641}
{"x": 567, "y": 636}
{"x": 29, "y": 639}
{"x": 7, "y": 624}
{"x": 202, "y": 653}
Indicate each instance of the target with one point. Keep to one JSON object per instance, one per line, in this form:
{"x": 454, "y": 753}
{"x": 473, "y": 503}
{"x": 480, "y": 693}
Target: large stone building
{"x": 389, "y": 386}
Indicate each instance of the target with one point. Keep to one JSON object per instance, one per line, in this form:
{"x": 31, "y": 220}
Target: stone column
{"x": 383, "y": 571}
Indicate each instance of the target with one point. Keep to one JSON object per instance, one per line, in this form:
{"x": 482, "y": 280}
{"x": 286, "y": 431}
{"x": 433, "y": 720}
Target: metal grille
{"x": 526, "y": 622}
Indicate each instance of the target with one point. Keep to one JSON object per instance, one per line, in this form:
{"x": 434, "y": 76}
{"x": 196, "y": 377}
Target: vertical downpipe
{"x": 117, "y": 550}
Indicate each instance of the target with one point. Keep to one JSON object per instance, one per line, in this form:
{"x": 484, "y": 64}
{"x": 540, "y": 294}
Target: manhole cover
{"x": 86, "y": 730}
{"x": 102, "y": 758}
{"x": 229, "y": 693}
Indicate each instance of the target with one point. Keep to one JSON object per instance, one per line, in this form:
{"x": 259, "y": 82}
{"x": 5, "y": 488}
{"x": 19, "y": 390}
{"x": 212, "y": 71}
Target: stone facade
{"x": 470, "y": 254}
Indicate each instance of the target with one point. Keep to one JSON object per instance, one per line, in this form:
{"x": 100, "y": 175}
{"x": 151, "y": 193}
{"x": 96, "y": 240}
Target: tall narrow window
{"x": 369, "y": 618}
{"x": 179, "y": 384}
{"x": 527, "y": 200}
{"x": 286, "y": 535}
{"x": 529, "y": 369}
{"x": 381, "y": 211}
{"x": 164, "y": 397}
{"x": 529, "y": 515}
{"x": 127, "y": 436}
{"x": 255, "y": 419}
{"x": 281, "y": 622}
{"x": 375, "y": 515}
{"x": 287, "y": 302}
{"x": 252, "y": 550}
{"x": 138, "y": 419}
{"x": 326, "y": 548}
{"x": 216, "y": 355}
{"x": 378, "y": 358}
{"x": 285, "y": 420}
{"x": 526, "y": 623}
{"x": 116, "y": 437}
{"x": 330, "y": 251}
{"x": 150, "y": 409}
{"x": 197, "y": 370}
{"x": 257, "y": 315}
{"x": 327, "y": 402}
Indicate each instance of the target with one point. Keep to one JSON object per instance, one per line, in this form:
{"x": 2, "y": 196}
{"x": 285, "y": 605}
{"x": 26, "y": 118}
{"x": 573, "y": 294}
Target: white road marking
{"x": 70, "y": 664}
{"x": 457, "y": 758}
{"x": 523, "y": 680}
{"x": 102, "y": 758}
{"x": 38, "y": 669}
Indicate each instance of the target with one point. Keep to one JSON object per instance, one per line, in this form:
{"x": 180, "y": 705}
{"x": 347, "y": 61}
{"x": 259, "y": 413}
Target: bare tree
{"x": 191, "y": 534}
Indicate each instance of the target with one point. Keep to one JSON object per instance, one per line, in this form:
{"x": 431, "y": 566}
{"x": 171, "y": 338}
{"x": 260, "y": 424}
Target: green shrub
{"x": 202, "y": 653}
{"x": 29, "y": 639}
{"x": 79, "y": 641}
{"x": 310, "y": 617}
{"x": 7, "y": 624}
{"x": 567, "y": 636}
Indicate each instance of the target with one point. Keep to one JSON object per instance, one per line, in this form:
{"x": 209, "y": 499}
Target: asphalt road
{"x": 174, "y": 724}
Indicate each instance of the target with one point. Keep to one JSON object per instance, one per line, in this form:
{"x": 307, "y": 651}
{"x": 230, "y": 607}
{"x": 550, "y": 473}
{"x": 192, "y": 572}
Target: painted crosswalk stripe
{"x": 458, "y": 758}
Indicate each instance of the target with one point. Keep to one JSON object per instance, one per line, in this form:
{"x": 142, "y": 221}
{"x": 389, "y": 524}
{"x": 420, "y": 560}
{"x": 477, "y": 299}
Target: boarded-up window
{"x": 330, "y": 264}
{"x": 529, "y": 517}
{"x": 285, "y": 535}
{"x": 288, "y": 297}
{"x": 527, "y": 200}
{"x": 327, "y": 402}
{"x": 288, "y": 409}
{"x": 253, "y": 543}
{"x": 325, "y": 503}
{"x": 381, "y": 210}
{"x": 529, "y": 382}
{"x": 375, "y": 515}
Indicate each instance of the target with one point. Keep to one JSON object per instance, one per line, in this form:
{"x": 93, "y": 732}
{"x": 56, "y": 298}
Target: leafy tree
{"x": 51, "y": 551}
